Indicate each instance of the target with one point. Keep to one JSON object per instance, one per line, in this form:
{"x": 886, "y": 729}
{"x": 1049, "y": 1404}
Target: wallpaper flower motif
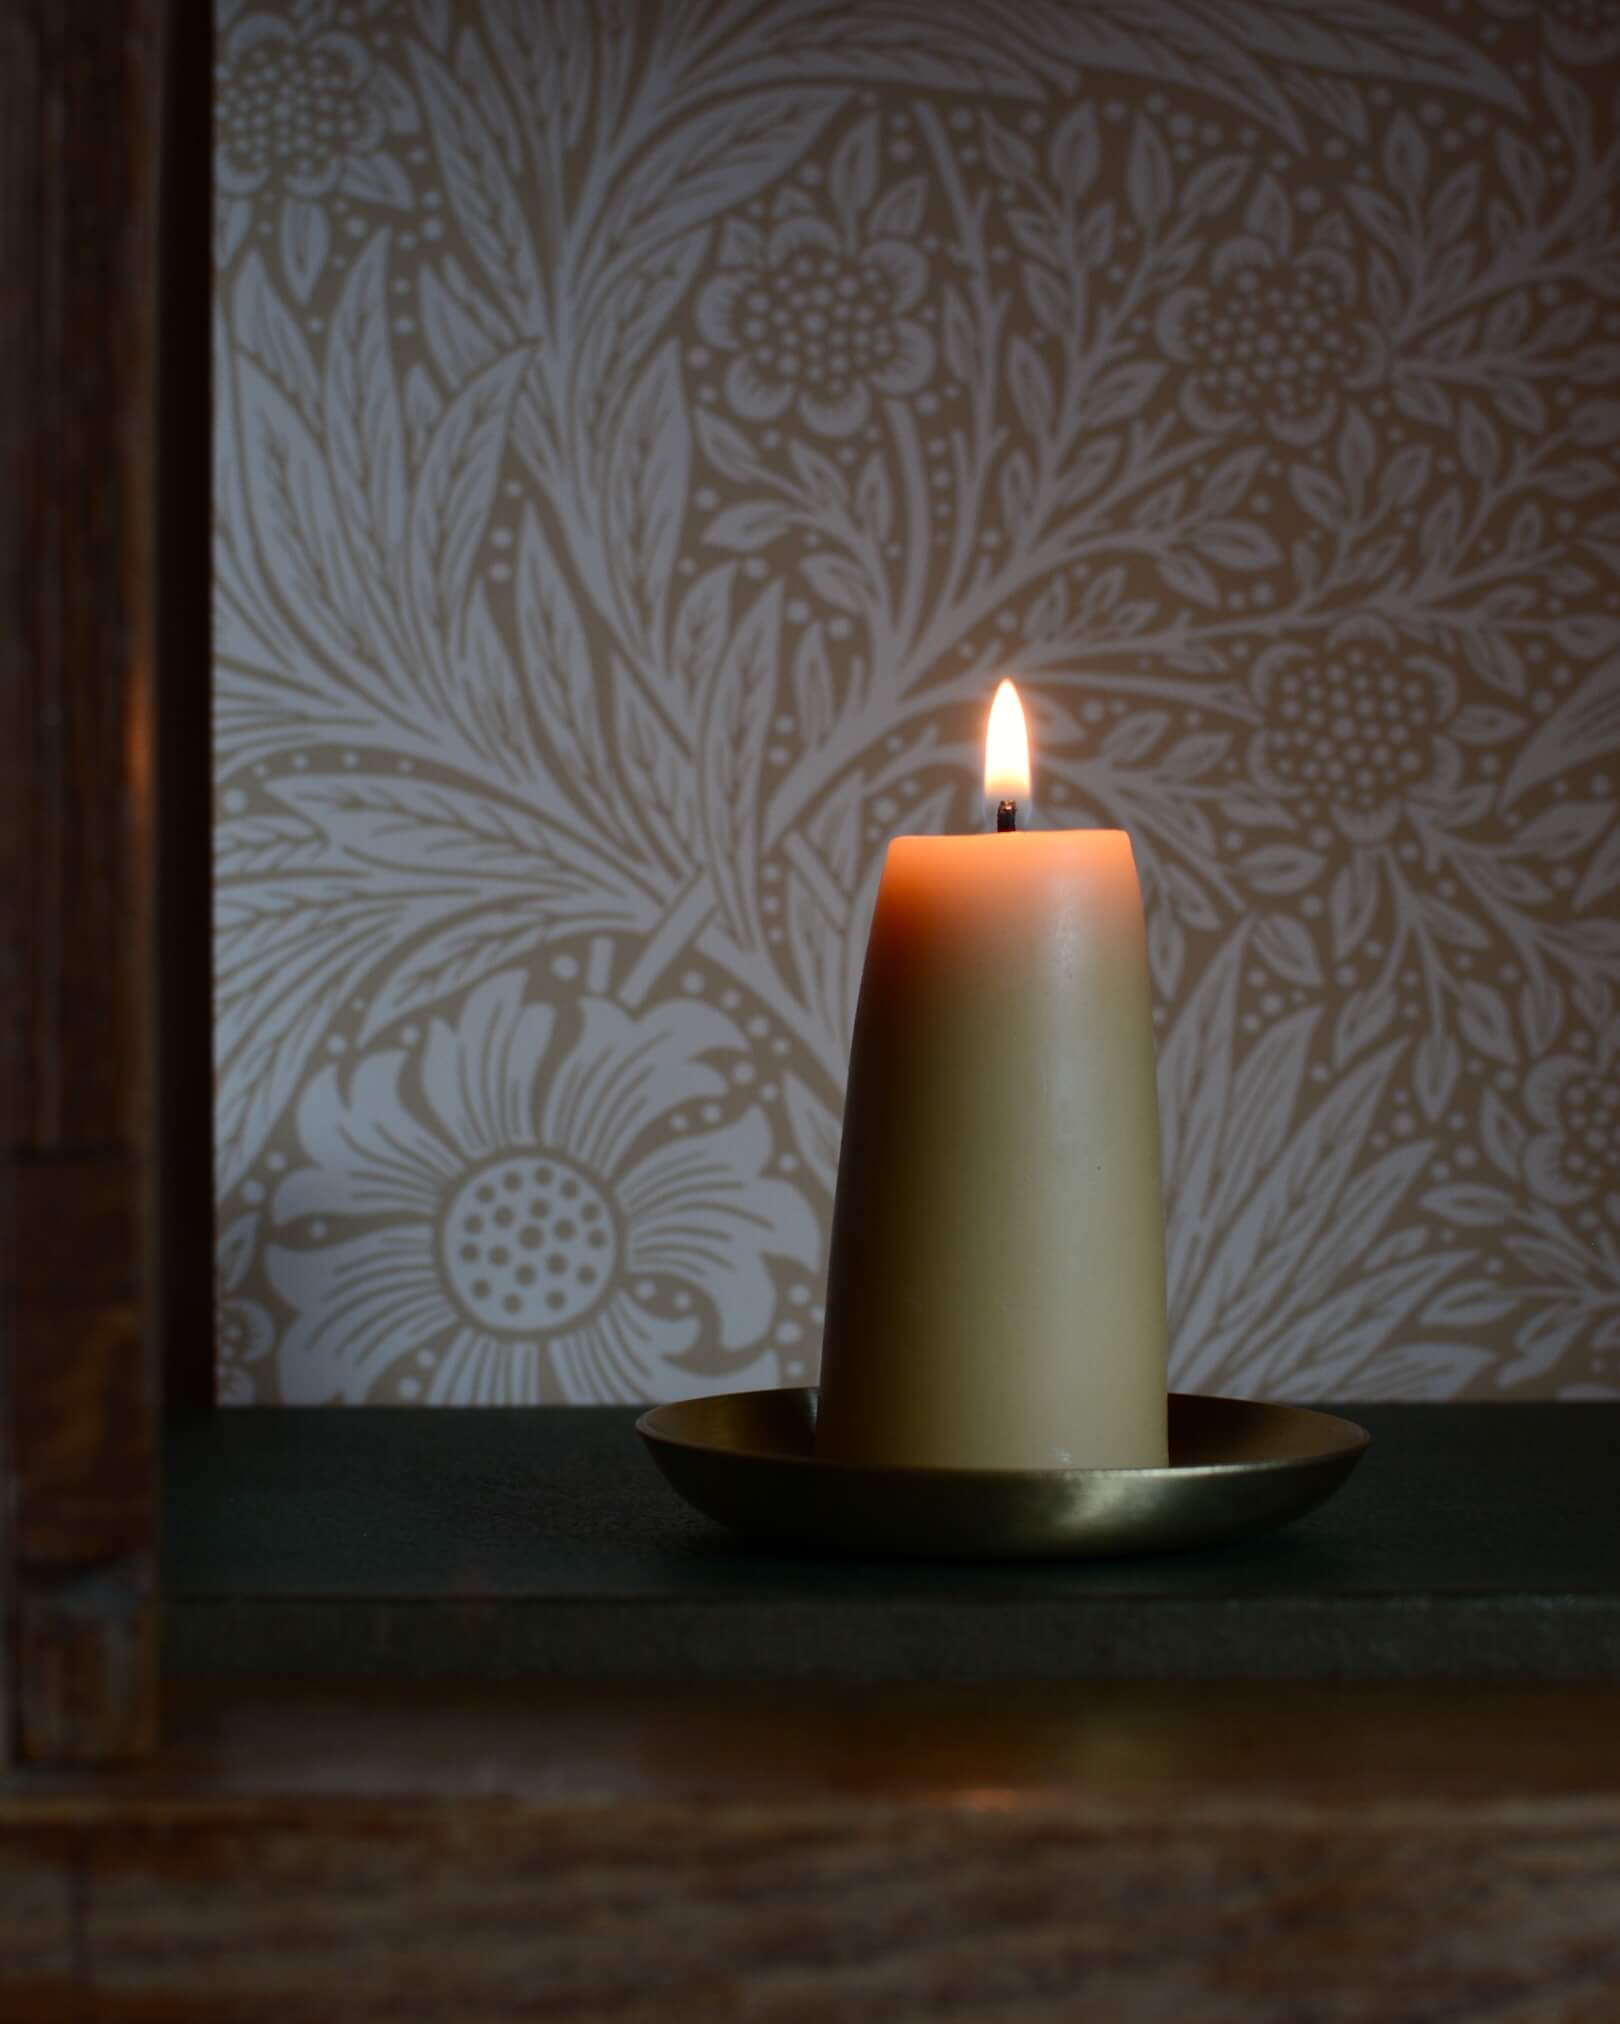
{"x": 555, "y": 1227}
{"x": 1356, "y": 729}
{"x": 301, "y": 109}
{"x": 645, "y": 432}
{"x": 816, "y": 324}
{"x": 1275, "y": 334}
{"x": 1576, "y": 1104}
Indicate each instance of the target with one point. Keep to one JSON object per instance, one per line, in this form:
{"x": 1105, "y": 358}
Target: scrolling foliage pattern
{"x": 646, "y": 431}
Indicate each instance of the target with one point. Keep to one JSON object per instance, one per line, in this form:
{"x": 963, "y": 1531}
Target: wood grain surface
{"x": 79, "y": 125}
{"x": 1221, "y": 1852}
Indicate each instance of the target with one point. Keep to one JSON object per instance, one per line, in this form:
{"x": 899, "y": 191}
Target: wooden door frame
{"x": 105, "y": 1079}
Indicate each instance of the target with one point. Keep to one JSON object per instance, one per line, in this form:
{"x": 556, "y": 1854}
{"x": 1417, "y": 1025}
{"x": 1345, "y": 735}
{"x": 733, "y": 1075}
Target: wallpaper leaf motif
{"x": 645, "y": 432}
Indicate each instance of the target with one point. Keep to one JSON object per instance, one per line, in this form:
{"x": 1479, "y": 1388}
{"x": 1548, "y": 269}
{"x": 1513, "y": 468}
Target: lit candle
{"x": 996, "y": 1282}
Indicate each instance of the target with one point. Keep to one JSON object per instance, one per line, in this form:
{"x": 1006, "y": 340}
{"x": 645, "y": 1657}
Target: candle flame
{"x": 1006, "y": 748}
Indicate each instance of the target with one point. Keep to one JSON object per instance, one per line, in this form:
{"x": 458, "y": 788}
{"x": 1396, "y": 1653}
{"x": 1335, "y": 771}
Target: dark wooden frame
{"x": 106, "y": 1196}
{"x": 78, "y": 446}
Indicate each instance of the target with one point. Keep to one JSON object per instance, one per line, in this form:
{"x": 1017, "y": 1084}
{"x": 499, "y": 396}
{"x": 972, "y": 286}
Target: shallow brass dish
{"x": 748, "y": 1459}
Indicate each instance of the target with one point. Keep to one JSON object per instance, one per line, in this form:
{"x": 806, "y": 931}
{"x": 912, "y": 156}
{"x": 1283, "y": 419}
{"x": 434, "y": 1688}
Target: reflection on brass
{"x": 748, "y": 1460}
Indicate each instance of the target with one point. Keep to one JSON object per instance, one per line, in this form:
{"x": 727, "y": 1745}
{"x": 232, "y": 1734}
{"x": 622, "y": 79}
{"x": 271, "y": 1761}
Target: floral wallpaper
{"x": 645, "y": 434}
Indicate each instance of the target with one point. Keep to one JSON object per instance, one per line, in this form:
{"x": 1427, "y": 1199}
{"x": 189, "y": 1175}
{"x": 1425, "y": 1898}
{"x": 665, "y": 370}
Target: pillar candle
{"x": 996, "y": 1293}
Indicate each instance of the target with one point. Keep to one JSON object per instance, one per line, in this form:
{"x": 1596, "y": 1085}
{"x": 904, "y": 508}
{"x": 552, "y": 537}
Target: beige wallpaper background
{"x": 644, "y": 435}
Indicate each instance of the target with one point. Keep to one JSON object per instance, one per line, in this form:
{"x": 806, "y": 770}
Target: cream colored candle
{"x": 996, "y": 1284}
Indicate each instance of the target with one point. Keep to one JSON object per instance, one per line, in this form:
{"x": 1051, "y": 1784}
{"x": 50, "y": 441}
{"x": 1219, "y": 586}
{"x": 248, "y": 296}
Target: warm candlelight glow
{"x": 1006, "y": 748}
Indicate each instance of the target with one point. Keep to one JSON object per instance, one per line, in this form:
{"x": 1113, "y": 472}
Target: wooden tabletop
{"x": 1185, "y": 1850}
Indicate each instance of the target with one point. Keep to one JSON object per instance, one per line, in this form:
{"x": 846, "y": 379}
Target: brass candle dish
{"x": 1237, "y": 1467}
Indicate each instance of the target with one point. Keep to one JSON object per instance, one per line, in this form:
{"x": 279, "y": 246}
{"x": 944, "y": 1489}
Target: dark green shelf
{"x": 1474, "y": 1541}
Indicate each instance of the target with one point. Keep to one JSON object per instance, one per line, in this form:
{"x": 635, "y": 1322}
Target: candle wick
{"x": 1006, "y": 817}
